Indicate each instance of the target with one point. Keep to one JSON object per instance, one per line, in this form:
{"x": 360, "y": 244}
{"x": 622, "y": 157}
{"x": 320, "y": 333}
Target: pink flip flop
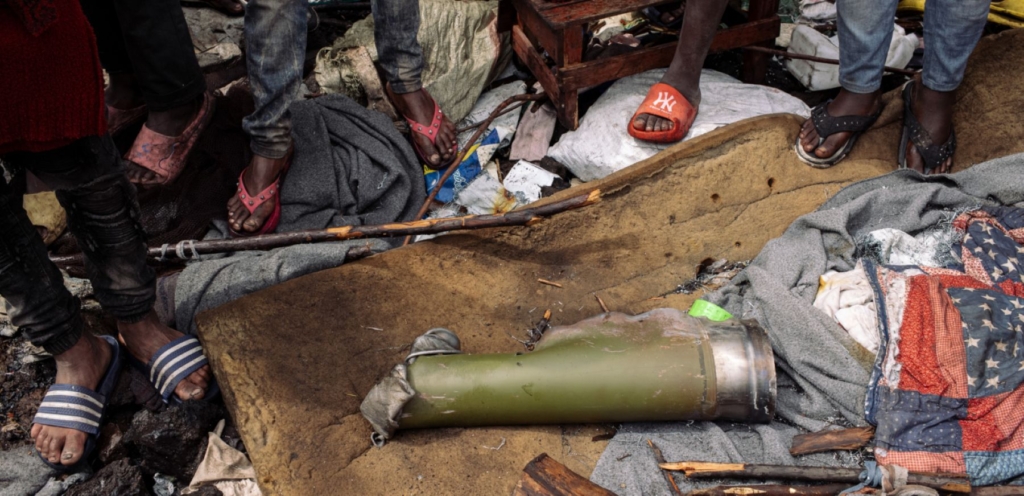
{"x": 118, "y": 120}
{"x": 251, "y": 202}
{"x": 430, "y": 131}
{"x": 167, "y": 155}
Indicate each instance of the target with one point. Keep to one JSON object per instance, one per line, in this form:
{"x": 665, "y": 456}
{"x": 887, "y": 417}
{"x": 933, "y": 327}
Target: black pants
{"x": 150, "y": 39}
{"x": 91, "y": 185}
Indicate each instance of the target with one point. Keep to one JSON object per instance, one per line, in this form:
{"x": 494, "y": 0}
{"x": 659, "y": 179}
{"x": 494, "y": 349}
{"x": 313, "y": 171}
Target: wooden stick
{"x": 465, "y": 153}
{"x": 771, "y": 490}
{"x": 707, "y": 470}
{"x": 601, "y": 302}
{"x": 660, "y": 458}
{"x": 526, "y": 216}
{"x": 788, "y": 55}
{"x": 549, "y": 283}
{"x": 842, "y": 439}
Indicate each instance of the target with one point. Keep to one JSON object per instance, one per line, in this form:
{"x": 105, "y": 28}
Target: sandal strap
{"x": 827, "y": 124}
{"x": 174, "y": 362}
{"x": 429, "y": 130}
{"x": 71, "y": 407}
{"x": 252, "y": 202}
{"x": 932, "y": 154}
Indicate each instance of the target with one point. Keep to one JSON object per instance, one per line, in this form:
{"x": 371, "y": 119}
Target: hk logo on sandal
{"x": 665, "y": 101}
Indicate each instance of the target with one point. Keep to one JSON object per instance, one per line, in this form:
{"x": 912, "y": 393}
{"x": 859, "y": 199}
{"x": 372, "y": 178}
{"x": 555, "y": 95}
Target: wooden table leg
{"x": 755, "y": 64}
{"x": 567, "y": 106}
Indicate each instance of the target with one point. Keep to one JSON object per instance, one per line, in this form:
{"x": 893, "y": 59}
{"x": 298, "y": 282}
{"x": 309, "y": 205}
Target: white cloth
{"x": 847, "y": 297}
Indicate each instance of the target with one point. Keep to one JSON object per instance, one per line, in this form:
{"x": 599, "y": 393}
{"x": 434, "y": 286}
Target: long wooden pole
{"x": 526, "y": 216}
{"x": 708, "y": 470}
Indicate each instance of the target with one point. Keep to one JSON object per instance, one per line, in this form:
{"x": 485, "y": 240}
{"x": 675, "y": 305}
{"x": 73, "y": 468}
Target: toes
{"x": 429, "y": 150}
{"x": 828, "y": 147}
{"x": 640, "y": 123}
{"x": 74, "y": 447}
{"x": 53, "y": 449}
{"x": 255, "y": 221}
{"x": 187, "y": 390}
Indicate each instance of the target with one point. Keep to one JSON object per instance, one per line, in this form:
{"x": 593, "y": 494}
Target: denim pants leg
{"x": 395, "y": 26}
{"x": 952, "y": 28}
{"x": 275, "y": 35}
{"x": 90, "y": 183}
{"x": 865, "y": 32}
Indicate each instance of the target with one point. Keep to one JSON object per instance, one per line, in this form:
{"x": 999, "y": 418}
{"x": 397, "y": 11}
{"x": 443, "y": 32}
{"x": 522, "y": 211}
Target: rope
{"x": 871, "y": 476}
{"x": 179, "y": 250}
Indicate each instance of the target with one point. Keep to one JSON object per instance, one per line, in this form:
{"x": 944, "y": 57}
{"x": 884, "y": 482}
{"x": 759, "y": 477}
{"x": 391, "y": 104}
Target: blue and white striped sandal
{"x": 79, "y": 408}
{"x": 174, "y": 362}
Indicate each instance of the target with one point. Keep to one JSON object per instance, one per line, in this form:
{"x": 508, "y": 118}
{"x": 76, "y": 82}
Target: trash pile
{"x": 689, "y": 370}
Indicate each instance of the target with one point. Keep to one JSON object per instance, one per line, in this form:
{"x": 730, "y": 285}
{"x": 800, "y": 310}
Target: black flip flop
{"x": 826, "y": 125}
{"x": 913, "y": 132}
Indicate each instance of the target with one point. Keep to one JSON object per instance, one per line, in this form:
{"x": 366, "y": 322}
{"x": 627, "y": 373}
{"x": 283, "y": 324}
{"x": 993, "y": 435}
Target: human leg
{"x": 952, "y": 29}
{"x": 396, "y": 24}
{"x": 275, "y": 31}
{"x": 865, "y": 32}
{"x": 91, "y": 186}
{"x": 700, "y": 22}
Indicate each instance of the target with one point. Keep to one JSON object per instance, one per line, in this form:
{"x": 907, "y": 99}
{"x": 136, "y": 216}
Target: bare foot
{"x": 934, "y": 110}
{"x": 846, "y": 103}
{"x": 261, "y": 173}
{"x": 143, "y": 339}
{"x": 419, "y": 106}
{"x": 170, "y": 122}
{"x": 83, "y": 365}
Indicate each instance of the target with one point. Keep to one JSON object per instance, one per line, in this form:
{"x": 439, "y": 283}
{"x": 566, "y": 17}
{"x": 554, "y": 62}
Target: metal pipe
{"x": 659, "y": 366}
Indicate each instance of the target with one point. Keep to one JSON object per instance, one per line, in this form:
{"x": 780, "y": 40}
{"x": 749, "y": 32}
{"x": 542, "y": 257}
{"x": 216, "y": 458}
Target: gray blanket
{"x": 823, "y": 374}
{"x": 351, "y": 167}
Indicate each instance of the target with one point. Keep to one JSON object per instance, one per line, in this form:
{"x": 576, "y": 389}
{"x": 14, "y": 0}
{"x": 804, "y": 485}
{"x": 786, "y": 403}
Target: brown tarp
{"x": 296, "y": 359}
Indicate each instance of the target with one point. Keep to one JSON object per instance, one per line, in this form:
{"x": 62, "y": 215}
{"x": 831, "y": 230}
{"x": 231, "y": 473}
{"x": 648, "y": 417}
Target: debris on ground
{"x": 171, "y": 442}
{"x": 711, "y": 275}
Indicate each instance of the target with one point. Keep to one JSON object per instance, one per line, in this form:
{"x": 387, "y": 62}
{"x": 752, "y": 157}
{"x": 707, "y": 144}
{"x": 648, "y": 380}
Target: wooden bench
{"x": 556, "y": 27}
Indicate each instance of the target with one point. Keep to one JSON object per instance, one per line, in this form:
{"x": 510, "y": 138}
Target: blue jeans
{"x": 951, "y": 30}
{"x": 275, "y": 34}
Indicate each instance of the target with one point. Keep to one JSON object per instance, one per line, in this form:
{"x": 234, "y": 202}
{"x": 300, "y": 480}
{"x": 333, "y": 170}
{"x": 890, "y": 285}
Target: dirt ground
{"x": 295, "y": 360}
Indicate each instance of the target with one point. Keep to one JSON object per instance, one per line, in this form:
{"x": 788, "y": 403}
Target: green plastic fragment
{"x": 710, "y": 311}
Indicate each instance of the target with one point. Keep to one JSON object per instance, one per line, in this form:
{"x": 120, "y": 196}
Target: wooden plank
{"x": 528, "y": 54}
{"x": 596, "y": 72}
{"x": 572, "y": 46}
{"x": 561, "y": 15}
{"x": 546, "y": 477}
{"x": 537, "y": 30}
{"x": 836, "y": 440}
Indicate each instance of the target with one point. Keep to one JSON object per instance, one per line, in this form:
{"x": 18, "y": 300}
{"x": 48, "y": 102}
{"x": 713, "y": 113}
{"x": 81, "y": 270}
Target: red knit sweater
{"x": 51, "y": 84}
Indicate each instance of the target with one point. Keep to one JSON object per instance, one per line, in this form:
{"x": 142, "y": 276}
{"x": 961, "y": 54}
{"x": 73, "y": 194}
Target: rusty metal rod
{"x": 788, "y": 55}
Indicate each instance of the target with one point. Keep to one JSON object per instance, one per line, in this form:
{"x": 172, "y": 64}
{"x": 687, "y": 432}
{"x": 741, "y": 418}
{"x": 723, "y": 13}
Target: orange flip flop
{"x": 666, "y": 102}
